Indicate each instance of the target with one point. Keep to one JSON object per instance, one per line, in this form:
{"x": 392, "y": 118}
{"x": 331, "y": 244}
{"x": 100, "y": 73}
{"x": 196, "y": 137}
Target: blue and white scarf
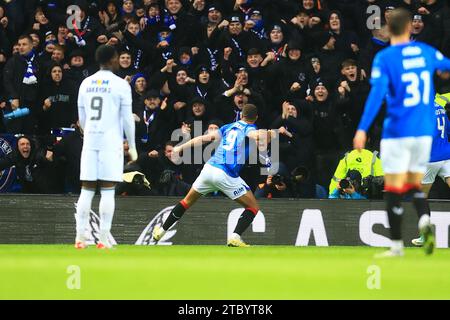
{"x": 29, "y": 77}
{"x": 212, "y": 58}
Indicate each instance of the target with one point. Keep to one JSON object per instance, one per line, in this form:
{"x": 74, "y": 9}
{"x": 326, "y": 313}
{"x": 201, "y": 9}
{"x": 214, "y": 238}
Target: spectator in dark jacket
{"x": 296, "y": 132}
{"x": 153, "y": 122}
{"x": 164, "y": 47}
{"x": 178, "y": 19}
{"x": 199, "y": 110}
{"x": 126, "y": 69}
{"x": 35, "y": 170}
{"x": 5, "y": 34}
{"x": 289, "y": 78}
{"x": 423, "y": 33}
{"x": 257, "y": 69}
{"x": 277, "y": 41}
{"x": 41, "y": 24}
{"x": 58, "y": 100}
{"x": 153, "y": 21}
{"x": 328, "y": 55}
{"x": 346, "y": 41}
{"x": 353, "y": 89}
{"x": 78, "y": 70}
{"x": 238, "y": 40}
{"x": 87, "y": 34}
{"x": 110, "y": 16}
{"x": 205, "y": 85}
{"x": 181, "y": 93}
{"x": 21, "y": 79}
{"x": 326, "y": 128}
{"x": 134, "y": 42}
{"x": 138, "y": 88}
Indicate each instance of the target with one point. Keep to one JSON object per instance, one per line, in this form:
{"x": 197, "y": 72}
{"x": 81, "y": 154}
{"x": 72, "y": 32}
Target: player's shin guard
{"x": 83, "y": 209}
{"x": 175, "y": 215}
{"x": 395, "y": 211}
{"x": 106, "y": 210}
{"x": 245, "y": 220}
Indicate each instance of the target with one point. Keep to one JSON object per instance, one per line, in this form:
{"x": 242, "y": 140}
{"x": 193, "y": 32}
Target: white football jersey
{"x": 104, "y": 103}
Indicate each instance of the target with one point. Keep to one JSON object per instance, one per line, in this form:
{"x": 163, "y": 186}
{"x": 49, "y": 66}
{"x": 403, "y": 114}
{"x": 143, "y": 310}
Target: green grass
{"x": 219, "y": 272}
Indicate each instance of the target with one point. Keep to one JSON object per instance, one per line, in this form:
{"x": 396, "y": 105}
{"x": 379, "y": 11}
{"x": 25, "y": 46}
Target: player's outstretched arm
{"x": 262, "y": 135}
{"x": 371, "y": 109}
{"x": 198, "y": 141}
{"x": 380, "y": 85}
{"x": 373, "y": 105}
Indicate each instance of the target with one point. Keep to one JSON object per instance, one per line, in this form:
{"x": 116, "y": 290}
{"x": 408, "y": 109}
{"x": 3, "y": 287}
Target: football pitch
{"x": 219, "y": 272}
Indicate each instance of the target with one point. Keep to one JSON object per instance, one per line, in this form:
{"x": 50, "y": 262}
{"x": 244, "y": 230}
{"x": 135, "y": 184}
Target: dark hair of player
{"x": 399, "y": 21}
{"x": 250, "y": 112}
{"x": 104, "y": 54}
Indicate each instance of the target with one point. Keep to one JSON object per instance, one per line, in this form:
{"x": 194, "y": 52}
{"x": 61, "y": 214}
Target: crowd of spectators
{"x": 304, "y": 63}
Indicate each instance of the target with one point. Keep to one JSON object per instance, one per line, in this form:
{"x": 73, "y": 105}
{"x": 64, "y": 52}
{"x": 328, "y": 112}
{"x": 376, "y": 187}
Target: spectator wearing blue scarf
{"x": 21, "y": 78}
{"x": 139, "y": 87}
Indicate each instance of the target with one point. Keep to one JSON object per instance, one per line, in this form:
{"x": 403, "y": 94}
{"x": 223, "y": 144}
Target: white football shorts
{"x": 435, "y": 169}
{"x": 402, "y": 155}
{"x": 213, "y": 179}
{"x": 101, "y": 165}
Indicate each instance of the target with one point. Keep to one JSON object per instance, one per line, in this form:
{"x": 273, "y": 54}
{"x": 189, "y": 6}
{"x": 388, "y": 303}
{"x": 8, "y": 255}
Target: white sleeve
{"x": 81, "y": 110}
{"x": 127, "y": 115}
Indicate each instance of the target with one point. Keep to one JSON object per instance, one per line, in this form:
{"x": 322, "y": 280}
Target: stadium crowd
{"x": 304, "y": 63}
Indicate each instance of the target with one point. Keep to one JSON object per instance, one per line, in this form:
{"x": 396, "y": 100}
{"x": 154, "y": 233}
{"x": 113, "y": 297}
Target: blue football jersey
{"x": 440, "y": 149}
{"x": 233, "y": 150}
{"x": 403, "y": 75}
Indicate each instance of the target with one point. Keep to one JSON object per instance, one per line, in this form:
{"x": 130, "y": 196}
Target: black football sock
{"x": 175, "y": 215}
{"x": 420, "y": 202}
{"x": 245, "y": 220}
{"x": 395, "y": 212}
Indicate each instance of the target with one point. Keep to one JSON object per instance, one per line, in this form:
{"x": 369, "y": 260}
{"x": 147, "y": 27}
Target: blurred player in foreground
{"x": 104, "y": 110}
{"x": 221, "y": 172}
{"x": 403, "y": 74}
{"x": 440, "y": 152}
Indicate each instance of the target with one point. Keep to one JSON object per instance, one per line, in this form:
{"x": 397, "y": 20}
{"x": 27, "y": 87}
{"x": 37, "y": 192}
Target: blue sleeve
{"x": 442, "y": 63}
{"x": 358, "y": 196}
{"x": 334, "y": 194}
{"x": 380, "y": 83}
